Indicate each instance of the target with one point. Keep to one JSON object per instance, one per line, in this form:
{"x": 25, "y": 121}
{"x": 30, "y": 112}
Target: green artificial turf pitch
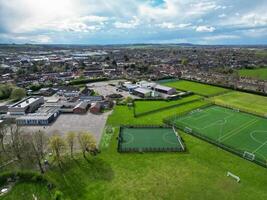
{"x": 237, "y": 130}
{"x": 148, "y": 139}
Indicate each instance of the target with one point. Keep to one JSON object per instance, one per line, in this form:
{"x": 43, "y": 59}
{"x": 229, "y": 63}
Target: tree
{"x": 18, "y": 93}
{"x": 184, "y": 61}
{"x": 17, "y": 141}
{"x": 57, "y": 145}
{"x": 3, "y": 131}
{"x": 38, "y": 144}
{"x": 70, "y": 141}
{"x": 87, "y": 143}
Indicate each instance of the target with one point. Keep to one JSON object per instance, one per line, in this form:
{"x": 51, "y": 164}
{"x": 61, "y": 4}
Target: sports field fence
{"x": 243, "y": 154}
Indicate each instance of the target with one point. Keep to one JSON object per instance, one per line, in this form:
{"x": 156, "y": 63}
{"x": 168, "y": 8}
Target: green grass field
{"x": 200, "y": 173}
{"x": 148, "y": 106}
{"x": 260, "y": 73}
{"x": 25, "y": 191}
{"x": 240, "y": 131}
{"x": 244, "y": 101}
{"x": 197, "y": 88}
{"x": 148, "y": 139}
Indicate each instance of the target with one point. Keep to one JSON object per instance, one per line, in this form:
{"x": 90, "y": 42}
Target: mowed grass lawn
{"x": 148, "y": 106}
{"x": 200, "y": 173}
{"x": 260, "y": 73}
{"x": 197, "y": 88}
{"x": 244, "y": 101}
{"x": 25, "y": 191}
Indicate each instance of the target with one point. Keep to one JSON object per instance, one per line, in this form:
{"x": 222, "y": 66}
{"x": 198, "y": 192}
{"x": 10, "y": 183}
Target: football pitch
{"x": 138, "y": 139}
{"x": 241, "y": 132}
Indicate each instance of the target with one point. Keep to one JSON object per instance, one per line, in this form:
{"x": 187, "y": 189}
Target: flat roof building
{"x": 164, "y": 89}
{"x": 44, "y": 116}
{"x": 142, "y": 92}
{"x": 27, "y": 105}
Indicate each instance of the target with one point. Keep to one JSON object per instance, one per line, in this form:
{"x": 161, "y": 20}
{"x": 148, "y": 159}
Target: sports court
{"x": 141, "y": 139}
{"x": 240, "y": 131}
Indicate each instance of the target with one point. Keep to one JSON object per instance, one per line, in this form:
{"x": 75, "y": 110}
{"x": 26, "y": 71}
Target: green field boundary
{"x": 248, "y": 111}
{"x": 181, "y": 148}
{"x": 168, "y": 119}
{"x": 171, "y": 122}
{"x": 166, "y": 107}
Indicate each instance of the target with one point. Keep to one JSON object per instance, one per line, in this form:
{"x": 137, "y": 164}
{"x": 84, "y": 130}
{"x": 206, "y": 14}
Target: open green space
{"x": 259, "y": 73}
{"x": 200, "y": 173}
{"x": 123, "y": 115}
{"x": 26, "y": 190}
{"x": 197, "y": 88}
{"x": 255, "y": 104}
{"x": 148, "y": 139}
{"x": 237, "y": 130}
{"x": 142, "y": 107}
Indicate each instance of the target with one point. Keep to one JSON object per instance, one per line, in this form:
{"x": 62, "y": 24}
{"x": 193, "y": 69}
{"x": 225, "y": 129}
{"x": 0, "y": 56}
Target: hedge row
{"x": 228, "y": 87}
{"x": 164, "y": 108}
{"x": 84, "y": 81}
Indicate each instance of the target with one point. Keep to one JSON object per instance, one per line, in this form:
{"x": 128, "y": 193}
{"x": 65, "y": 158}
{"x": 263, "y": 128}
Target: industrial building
{"x": 27, "y": 105}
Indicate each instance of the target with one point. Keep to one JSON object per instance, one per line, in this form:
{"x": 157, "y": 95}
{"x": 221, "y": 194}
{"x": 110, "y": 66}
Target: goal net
{"x": 248, "y": 155}
{"x": 188, "y": 130}
{"x": 235, "y": 109}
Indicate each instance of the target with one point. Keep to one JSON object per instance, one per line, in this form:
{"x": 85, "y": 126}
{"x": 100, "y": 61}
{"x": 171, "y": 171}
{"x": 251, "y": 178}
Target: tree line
{"x": 37, "y": 147}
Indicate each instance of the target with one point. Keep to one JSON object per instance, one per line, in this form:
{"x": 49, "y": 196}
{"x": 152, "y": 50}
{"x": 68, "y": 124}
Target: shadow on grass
{"x": 76, "y": 175}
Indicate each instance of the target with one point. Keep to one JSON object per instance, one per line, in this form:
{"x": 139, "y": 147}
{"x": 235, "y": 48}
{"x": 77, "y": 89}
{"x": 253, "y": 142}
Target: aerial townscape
{"x": 90, "y": 108}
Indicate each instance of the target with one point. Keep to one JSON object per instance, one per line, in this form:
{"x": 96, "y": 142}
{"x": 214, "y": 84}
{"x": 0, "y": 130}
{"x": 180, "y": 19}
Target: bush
{"x": 58, "y": 195}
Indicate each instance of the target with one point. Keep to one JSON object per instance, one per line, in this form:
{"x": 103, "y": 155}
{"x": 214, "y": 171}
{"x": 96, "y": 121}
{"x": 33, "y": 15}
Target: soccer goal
{"x": 248, "y": 155}
{"x": 236, "y": 110}
{"x": 237, "y": 178}
{"x": 187, "y": 130}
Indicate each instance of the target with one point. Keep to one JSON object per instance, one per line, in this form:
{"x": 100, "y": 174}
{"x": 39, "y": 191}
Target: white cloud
{"x": 205, "y": 29}
{"x": 133, "y": 23}
{"x": 222, "y": 15}
{"x": 221, "y": 37}
{"x": 170, "y": 25}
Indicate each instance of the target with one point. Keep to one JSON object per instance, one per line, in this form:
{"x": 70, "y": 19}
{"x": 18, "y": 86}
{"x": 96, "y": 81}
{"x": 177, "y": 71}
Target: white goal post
{"x": 187, "y": 130}
{"x": 248, "y": 155}
{"x": 233, "y": 176}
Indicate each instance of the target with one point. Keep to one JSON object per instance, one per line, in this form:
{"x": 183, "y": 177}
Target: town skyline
{"x": 90, "y": 22}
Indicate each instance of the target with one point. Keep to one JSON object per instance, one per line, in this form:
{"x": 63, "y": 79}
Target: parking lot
{"x": 72, "y": 122}
{"x": 105, "y": 88}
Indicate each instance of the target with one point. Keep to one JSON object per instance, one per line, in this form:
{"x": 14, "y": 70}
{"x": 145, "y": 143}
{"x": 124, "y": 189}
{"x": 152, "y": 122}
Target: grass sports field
{"x": 260, "y": 73}
{"x": 243, "y": 101}
{"x": 197, "y": 88}
{"x": 149, "y": 139}
{"x": 241, "y": 131}
{"x": 142, "y": 107}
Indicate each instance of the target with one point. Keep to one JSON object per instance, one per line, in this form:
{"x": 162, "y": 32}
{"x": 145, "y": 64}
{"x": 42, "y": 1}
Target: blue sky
{"x": 133, "y": 21}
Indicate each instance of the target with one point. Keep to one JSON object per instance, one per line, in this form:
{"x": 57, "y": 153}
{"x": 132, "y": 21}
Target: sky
{"x": 133, "y": 21}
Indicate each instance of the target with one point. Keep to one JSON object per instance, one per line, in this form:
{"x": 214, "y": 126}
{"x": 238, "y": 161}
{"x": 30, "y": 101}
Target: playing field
{"x": 149, "y": 139}
{"x": 260, "y": 73}
{"x": 197, "y": 88}
{"x": 142, "y": 107}
{"x": 237, "y": 130}
{"x": 244, "y": 101}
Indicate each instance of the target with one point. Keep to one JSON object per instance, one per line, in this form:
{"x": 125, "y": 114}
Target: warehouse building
{"x": 27, "y": 105}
